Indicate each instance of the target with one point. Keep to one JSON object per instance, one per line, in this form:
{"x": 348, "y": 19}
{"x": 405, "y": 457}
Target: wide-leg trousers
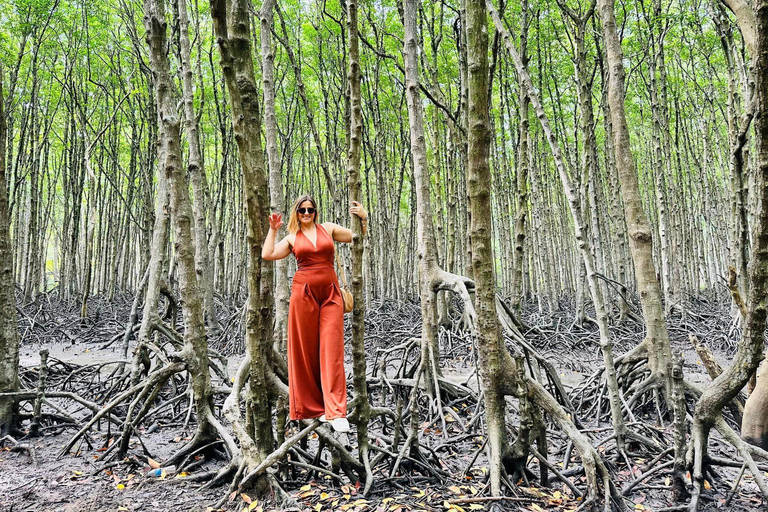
{"x": 316, "y": 379}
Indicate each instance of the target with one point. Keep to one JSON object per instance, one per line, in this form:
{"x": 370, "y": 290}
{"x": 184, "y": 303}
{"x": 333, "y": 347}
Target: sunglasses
{"x": 306, "y": 210}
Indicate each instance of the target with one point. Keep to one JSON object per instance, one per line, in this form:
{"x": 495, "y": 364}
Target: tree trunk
{"x": 480, "y": 229}
{"x": 195, "y": 351}
{"x": 277, "y": 199}
{"x": 755, "y": 424}
{"x": 9, "y": 334}
{"x": 203, "y": 267}
{"x": 362, "y": 405}
{"x": 231, "y": 22}
{"x": 522, "y": 172}
{"x": 656, "y": 344}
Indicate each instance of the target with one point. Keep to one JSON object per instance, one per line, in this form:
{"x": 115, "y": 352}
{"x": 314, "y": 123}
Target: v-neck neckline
{"x": 314, "y": 245}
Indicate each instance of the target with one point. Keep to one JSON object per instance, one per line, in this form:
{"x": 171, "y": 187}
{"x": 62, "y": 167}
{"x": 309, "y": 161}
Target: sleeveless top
{"x": 309, "y": 256}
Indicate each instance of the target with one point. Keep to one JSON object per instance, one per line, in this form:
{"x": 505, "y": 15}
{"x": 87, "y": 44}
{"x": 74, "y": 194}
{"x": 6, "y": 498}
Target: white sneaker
{"x": 340, "y": 424}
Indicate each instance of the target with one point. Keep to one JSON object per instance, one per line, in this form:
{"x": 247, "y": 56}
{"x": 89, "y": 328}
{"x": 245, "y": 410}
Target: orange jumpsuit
{"x": 316, "y": 379}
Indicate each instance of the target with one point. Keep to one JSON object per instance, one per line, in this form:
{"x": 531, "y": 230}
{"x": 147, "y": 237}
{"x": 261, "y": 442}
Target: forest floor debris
{"x": 81, "y": 481}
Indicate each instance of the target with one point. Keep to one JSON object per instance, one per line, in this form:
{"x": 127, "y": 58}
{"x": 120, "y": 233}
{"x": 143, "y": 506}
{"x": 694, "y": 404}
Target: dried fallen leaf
{"x": 246, "y": 498}
{"x": 305, "y": 487}
{"x": 153, "y": 463}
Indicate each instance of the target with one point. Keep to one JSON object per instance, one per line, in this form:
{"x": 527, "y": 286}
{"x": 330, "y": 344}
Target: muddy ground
{"x": 35, "y": 478}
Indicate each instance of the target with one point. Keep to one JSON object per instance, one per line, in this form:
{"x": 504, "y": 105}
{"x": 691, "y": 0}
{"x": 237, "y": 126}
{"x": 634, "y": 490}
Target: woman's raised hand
{"x": 358, "y": 210}
{"x": 275, "y": 221}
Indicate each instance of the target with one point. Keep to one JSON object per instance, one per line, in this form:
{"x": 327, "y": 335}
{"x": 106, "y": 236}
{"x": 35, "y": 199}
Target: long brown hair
{"x": 293, "y": 219}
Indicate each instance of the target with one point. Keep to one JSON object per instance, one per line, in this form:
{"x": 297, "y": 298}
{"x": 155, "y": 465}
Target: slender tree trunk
{"x": 203, "y": 267}
{"x": 739, "y": 246}
{"x": 157, "y": 251}
{"x": 362, "y": 406}
{"x": 232, "y": 27}
{"x": 656, "y": 344}
{"x": 195, "y": 350}
{"x": 427, "y": 256}
{"x": 522, "y": 172}
{"x": 32, "y": 256}
{"x": 480, "y": 229}
{"x": 9, "y": 334}
{"x": 277, "y": 199}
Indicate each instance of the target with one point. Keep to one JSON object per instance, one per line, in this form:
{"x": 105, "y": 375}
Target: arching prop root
{"x": 698, "y": 459}
{"x": 600, "y": 486}
{"x": 251, "y": 470}
{"x": 409, "y": 370}
{"x": 640, "y": 387}
{"x": 601, "y": 493}
{"x": 152, "y": 380}
{"x": 537, "y": 364}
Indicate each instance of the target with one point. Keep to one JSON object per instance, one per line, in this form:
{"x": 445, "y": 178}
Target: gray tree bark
{"x": 362, "y": 406}
{"x": 480, "y": 229}
{"x": 277, "y": 200}
{"x": 656, "y": 345}
{"x": 231, "y": 23}
{"x": 9, "y": 334}
{"x": 203, "y": 267}
{"x": 195, "y": 350}
{"x": 755, "y": 422}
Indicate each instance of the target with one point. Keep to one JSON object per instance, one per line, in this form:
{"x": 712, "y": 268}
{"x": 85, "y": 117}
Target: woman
{"x": 317, "y": 385}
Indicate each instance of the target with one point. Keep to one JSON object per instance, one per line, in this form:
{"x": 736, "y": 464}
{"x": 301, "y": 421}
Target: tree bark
{"x": 362, "y": 406}
{"x": 656, "y": 344}
{"x": 277, "y": 199}
{"x": 745, "y": 16}
{"x": 9, "y": 334}
{"x": 521, "y": 177}
{"x": 195, "y": 351}
{"x": 195, "y": 166}
{"x": 755, "y": 424}
{"x": 231, "y": 23}
{"x": 480, "y": 229}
